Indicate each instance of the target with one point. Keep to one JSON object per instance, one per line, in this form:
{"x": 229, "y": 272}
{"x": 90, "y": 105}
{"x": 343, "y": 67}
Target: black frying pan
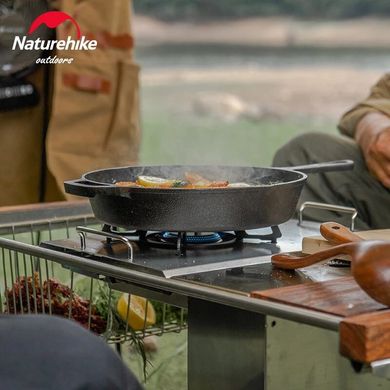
{"x": 270, "y": 203}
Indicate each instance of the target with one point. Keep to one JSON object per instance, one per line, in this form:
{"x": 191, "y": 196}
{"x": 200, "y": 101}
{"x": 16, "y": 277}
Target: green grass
{"x": 174, "y": 134}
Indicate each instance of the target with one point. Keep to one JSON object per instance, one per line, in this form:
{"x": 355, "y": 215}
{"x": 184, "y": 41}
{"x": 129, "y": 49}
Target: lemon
{"x": 152, "y": 181}
{"x": 134, "y": 313}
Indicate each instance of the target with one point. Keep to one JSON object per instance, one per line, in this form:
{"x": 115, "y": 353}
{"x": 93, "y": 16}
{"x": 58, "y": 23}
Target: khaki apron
{"x": 21, "y": 150}
{"x": 94, "y": 120}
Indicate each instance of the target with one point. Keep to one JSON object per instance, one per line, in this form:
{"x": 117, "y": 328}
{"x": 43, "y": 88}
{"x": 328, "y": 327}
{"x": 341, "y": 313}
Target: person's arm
{"x": 378, "y": 101}
{"x": 373, "y": 136}
{"x": 369, "y": 124}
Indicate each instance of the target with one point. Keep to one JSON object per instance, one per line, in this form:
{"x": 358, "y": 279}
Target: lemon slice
{"x": 159, "y": 182}
{"x": 152, "y": 181}
{"x": 139, "y": 314}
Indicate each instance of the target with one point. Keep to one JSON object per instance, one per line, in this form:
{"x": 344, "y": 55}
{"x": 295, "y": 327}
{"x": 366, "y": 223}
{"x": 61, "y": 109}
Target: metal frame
{"x": 214, "y": 314}
{"x": 82, "y": 230}
{"x": 175, "y": 286}
{"x": 330, "y": 207}
{"x": 66, "y": 214}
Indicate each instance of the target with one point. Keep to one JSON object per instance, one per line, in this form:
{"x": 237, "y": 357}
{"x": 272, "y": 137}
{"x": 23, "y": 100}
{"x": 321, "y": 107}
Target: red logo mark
{"x": 53, "y": 19}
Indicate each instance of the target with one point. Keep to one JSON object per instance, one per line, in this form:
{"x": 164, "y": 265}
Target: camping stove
{"x": 172, "y": 254}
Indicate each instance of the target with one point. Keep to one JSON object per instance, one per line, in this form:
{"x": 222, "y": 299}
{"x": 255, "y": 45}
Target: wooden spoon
{"x": 336, "y": 233}
{"x": 294, "y": 261}
{"x": 370, "y": 265}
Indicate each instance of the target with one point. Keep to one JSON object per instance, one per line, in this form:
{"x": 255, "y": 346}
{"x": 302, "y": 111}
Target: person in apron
{"x": 88, "y": 114}
{"x": 366, "y": 140}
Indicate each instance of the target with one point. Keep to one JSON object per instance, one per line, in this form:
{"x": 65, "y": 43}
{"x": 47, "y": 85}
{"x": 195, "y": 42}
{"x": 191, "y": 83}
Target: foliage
{"x": 105, "y": 301}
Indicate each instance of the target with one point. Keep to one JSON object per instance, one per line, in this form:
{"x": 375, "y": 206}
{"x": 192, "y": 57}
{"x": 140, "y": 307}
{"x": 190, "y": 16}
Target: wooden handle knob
{"x": 337, "y": 234}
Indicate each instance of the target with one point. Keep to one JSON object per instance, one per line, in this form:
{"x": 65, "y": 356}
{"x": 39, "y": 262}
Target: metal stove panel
{"x": 167, "y": 263}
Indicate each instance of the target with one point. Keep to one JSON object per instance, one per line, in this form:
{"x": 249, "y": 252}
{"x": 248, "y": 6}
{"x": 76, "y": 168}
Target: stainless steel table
{"x": 234, "y": 341}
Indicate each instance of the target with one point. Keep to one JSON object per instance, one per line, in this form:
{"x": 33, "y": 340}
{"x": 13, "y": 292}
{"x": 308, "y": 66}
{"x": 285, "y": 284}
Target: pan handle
{"x": 84, "y": 188}
{"x": 329, "y": 166}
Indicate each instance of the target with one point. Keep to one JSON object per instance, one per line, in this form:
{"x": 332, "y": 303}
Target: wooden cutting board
{"x": 313, "y": 244}
{"x": 341, "y": 297}
{"x": 366, "y": 338}
{"x": 364, "y": 332}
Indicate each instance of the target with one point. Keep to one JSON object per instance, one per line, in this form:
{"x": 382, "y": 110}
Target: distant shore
{"x": 272, "y": 32}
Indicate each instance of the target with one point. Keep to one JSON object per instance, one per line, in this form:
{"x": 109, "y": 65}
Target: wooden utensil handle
{"x": 290, "y": 261}
{"x": 337, "y": 234}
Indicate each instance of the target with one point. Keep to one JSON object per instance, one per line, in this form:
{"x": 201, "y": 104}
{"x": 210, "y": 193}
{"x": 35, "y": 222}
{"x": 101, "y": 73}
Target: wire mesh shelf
{"x": 31, "y": 283}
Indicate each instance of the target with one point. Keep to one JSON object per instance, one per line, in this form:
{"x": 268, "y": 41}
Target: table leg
{"x": 226, "y": 347}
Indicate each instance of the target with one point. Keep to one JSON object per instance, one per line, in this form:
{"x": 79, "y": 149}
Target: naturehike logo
{"x": 53, "y": 19}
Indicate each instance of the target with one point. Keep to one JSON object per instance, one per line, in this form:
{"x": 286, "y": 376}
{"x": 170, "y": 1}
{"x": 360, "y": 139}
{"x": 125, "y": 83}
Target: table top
{"x": 263, "y": 276}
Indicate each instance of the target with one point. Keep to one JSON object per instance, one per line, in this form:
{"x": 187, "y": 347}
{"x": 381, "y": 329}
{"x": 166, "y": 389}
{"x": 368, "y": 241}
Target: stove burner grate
{"x": 181, "y": 241}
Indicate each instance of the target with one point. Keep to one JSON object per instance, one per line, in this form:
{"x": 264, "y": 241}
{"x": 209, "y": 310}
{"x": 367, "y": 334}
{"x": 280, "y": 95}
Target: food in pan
{"x": 126, "y": 184}
{"x": 197, "y": 181}
{"x": 191, "y": 180}
{"x": 152, "y": 181}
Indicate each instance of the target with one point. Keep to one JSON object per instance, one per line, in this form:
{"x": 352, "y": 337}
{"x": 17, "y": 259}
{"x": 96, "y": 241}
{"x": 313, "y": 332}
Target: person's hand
{"x": 374, "y": 140}
{"x": 377, "y": 157}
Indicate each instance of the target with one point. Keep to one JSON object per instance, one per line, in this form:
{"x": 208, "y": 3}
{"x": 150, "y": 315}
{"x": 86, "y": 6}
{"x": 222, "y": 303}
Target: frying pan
{"x": 271, "y": 202}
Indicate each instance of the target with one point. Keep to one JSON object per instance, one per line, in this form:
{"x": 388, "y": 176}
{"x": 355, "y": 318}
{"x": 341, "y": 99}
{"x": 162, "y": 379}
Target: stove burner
{"x": 181, "y": 241}
{"x": 195, "y": 238}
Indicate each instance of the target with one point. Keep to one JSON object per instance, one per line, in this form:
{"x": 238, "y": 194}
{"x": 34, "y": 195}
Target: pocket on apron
{"x": 124, "y": 137}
